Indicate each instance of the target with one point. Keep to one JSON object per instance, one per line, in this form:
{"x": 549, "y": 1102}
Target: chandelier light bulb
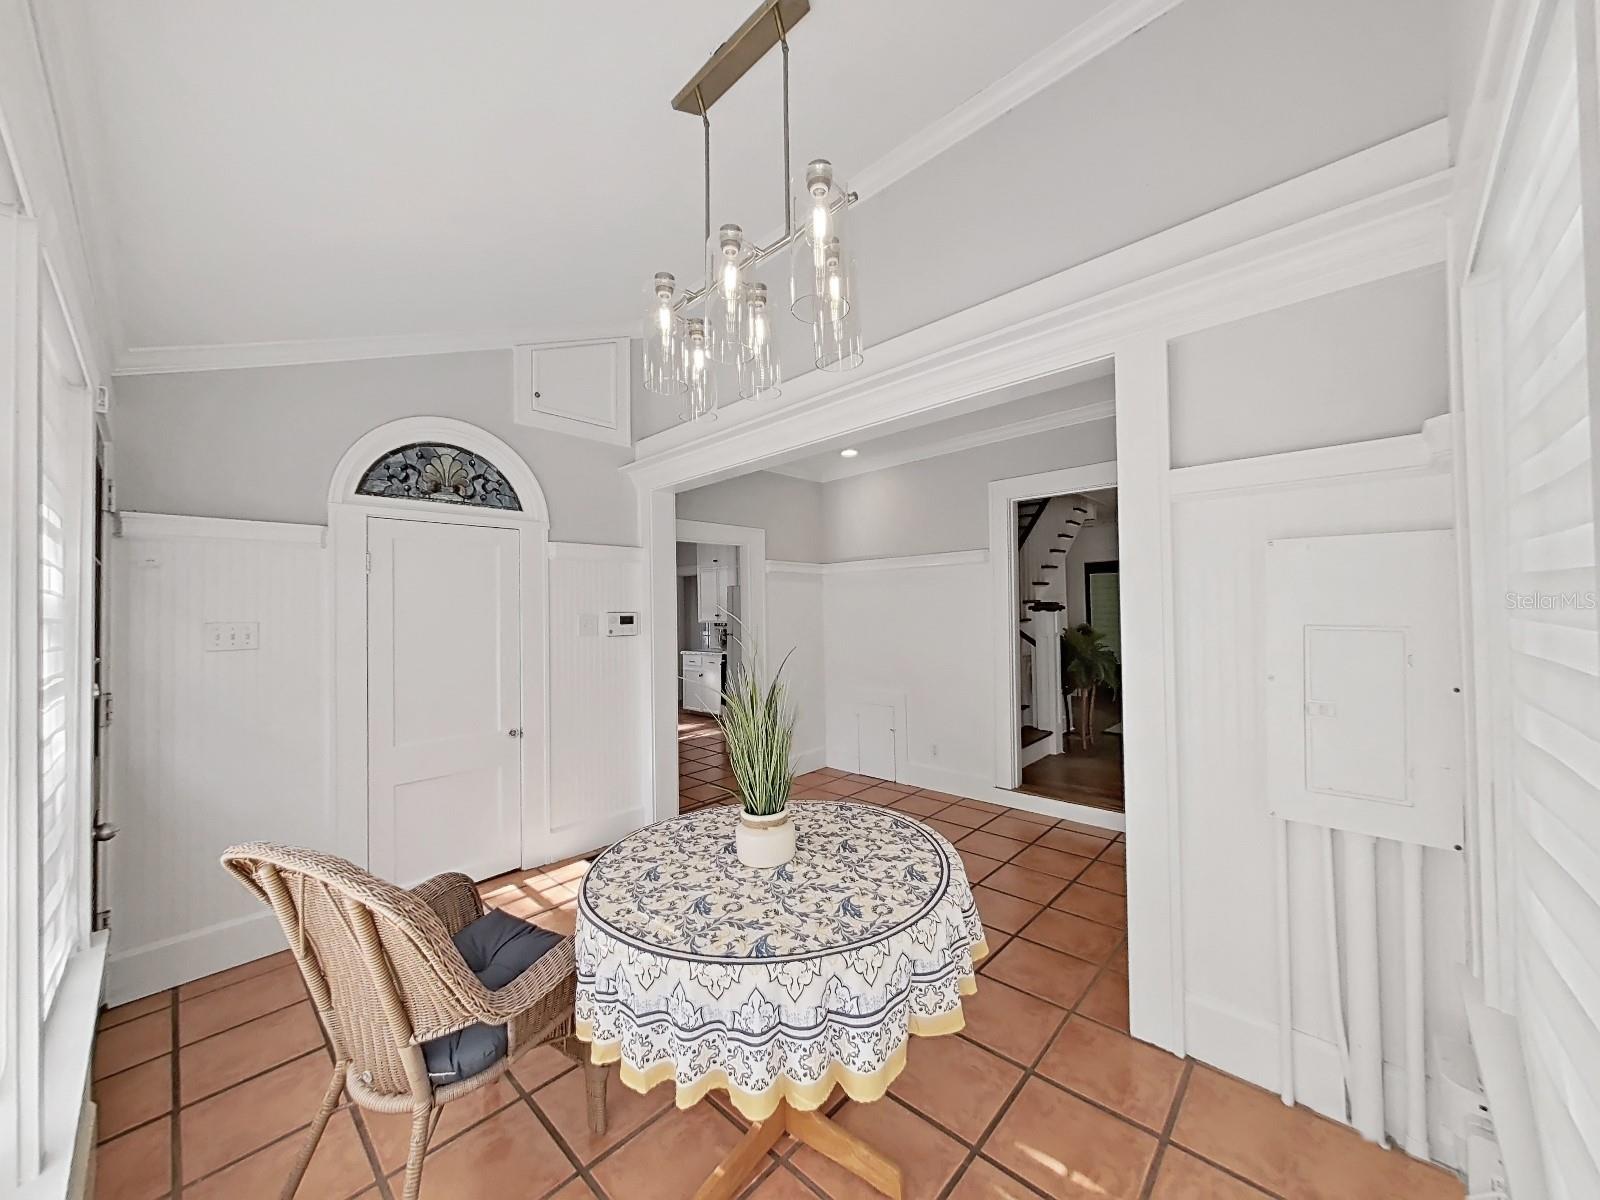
{"x": 819, "y": 187}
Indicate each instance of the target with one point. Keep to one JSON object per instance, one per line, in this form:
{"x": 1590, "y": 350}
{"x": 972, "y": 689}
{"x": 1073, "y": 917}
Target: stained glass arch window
{"x": 439, "y": 472}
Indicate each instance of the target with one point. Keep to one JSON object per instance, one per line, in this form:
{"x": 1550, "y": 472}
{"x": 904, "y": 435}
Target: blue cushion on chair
{"x": 498, "y": 948}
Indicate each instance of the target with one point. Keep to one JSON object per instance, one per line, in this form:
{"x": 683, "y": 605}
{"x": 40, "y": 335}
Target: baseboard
{"x": 134, "y": 973}
{"x": 813, "y": 759}
{"x": 1247, "y": 1046}
{"x": 956, "y": 783}
{"x": 1029, "y": 755}
{"x": 1062, "y": 810}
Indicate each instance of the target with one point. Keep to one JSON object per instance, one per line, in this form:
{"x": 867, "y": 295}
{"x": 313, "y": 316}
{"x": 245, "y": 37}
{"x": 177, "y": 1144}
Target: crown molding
{"x": 164, "y": 360}
{"x": 1100, "y": 410}
{"x": 1106, "y": 29}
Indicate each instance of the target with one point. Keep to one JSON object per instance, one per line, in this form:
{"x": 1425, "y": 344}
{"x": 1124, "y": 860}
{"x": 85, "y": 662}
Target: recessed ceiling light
{"x": 851, "y": 453}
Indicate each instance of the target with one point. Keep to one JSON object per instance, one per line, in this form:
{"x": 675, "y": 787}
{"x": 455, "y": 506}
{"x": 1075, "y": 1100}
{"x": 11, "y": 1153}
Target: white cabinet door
{"x": 444, "y": 686}
{"x": 578, "y": 388}
{"x": 710, "y": 602}
{"x": 875, "y": 741}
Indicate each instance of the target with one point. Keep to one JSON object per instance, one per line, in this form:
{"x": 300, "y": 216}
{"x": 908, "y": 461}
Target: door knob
{"x": 104, "y": 831}
{"x": 513, "y": 733}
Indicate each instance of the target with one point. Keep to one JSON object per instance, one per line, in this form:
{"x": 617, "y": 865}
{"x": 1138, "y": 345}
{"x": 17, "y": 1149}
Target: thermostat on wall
{"x": 622, "y": 624}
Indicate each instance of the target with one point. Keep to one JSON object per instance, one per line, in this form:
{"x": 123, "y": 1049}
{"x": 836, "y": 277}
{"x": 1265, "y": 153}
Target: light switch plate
{"x": 588, "y": 624}
{"x": 232, "y": 635}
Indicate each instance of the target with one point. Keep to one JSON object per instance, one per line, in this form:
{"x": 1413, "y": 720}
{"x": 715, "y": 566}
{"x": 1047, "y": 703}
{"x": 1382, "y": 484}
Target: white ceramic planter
{"x": 765, "y": 841}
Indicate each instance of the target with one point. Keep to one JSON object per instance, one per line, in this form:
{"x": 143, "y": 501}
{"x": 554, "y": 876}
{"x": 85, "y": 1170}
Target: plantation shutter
{"x": 63, "y": 800}
{"x": 1532, "y": 251}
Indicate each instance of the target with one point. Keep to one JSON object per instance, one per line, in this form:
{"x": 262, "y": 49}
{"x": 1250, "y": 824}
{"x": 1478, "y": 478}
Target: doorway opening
{"x": 710, "y": 638}
{"x": 1069, "y": 649}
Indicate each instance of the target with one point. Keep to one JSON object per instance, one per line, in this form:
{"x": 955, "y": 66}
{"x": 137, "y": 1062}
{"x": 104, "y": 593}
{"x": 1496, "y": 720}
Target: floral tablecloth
{"x": 776, "y": 984}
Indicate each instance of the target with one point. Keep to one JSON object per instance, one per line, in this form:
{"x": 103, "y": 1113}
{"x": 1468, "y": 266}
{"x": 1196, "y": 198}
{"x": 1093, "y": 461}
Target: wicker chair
{"x": 386, "y": 977}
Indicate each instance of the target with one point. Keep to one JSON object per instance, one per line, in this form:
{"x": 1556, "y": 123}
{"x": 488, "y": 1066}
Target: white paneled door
{"x": 444, "y": 687}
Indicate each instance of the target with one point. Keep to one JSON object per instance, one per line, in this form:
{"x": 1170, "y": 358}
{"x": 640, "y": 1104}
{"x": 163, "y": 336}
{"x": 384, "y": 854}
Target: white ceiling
{"x": 264, "y": 172}
{"x": 1049, "y": 402}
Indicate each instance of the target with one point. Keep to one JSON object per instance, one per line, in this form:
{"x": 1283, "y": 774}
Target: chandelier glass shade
{"x": 836, "y": 327}
{"x": 760, "y": 376}
{"x": 732, "y": 325}
{"x": 663, "y": 339}
{"x": 729, "y": 258}
{"x": 699, "y": 373}
{"x": 820, "y": 208}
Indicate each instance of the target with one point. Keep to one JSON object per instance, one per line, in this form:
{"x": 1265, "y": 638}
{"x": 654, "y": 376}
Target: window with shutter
{"x": 1527, "y": 309}
{"x": 62, "y": 795}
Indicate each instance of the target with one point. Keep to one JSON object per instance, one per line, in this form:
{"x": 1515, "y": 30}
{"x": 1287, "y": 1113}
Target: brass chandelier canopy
{"x": 734, "y": 325}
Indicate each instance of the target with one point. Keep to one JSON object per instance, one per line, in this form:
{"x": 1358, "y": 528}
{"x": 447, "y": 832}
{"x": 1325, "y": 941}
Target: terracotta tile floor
{"x": 205, "y": 1091}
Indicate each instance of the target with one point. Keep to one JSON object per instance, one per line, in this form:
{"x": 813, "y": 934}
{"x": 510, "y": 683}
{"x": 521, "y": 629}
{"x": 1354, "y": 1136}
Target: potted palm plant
{"x": 757, "y": 723}
{"x": 1087, "y": 664}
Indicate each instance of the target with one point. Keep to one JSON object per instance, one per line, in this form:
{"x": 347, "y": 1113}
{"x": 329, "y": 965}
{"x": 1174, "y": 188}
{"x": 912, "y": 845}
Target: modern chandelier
{"x": 727, "y": 322}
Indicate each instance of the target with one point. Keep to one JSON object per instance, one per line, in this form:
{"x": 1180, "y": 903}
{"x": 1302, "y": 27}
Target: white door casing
{"x": 1003, "y": 556}
{"x": 444, "y": 699}
{"x": 348, "y": 517}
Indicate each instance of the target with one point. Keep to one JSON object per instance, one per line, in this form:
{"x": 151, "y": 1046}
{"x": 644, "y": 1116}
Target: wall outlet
{"x": 232, "y": 635}
{"x": 933, "y": 750}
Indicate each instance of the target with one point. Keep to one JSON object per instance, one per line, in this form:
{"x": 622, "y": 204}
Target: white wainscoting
{"x": 795, "y": 628}
{"x": 210, "y": 748}
{"x": 1219, "y": 535}
{"x": 913, "y": 631}
{"x": 599, "y": 788}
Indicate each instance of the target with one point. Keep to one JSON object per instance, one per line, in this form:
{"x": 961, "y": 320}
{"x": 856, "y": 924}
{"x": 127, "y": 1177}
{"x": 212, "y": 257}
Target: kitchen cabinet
{"x": 702, "y": 681}
{"x": 715, "y": 576}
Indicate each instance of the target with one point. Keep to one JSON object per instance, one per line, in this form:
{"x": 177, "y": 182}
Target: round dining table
{"x": 778, "y": 984}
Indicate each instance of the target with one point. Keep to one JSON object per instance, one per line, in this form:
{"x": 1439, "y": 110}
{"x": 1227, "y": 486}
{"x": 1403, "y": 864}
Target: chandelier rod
{"x": 732, "y": 59}
{"x": 705, "y": 120}
{"x": 788, "y": 209}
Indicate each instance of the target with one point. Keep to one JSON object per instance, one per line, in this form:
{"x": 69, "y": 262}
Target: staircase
{"x": 1046, "y": 530}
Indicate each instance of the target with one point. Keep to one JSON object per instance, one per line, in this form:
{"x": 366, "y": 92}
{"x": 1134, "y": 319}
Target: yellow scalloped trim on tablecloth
{"x": 804, "y": 1096}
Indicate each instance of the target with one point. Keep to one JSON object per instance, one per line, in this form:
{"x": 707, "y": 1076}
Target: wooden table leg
{"x": 745, "y": 1159}
{"x": 826, "y": 1137}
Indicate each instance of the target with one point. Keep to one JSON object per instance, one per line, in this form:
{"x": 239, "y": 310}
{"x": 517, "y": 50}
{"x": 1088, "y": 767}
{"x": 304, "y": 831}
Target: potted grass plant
{"x": 1087, "y": 664}
{"x": 757, "y": 722}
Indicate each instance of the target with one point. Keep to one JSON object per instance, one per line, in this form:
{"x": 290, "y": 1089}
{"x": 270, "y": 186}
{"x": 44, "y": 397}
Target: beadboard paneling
{"x": 1219, "y": 545}
{"x": 598, "y": 786}
{"x": 794, "y": 627}
{"x": 914, "y": 632}
{"x": 208, "y": 749}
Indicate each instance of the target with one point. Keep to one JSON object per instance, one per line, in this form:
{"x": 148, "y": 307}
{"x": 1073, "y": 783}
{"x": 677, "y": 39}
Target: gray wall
{"x": 942, "y": 504}
{"x": 927, "y": 507}
{"x": 789, "y": 509}
{"x": 261, "y": 444}
{"x": 1368, "y": 362}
